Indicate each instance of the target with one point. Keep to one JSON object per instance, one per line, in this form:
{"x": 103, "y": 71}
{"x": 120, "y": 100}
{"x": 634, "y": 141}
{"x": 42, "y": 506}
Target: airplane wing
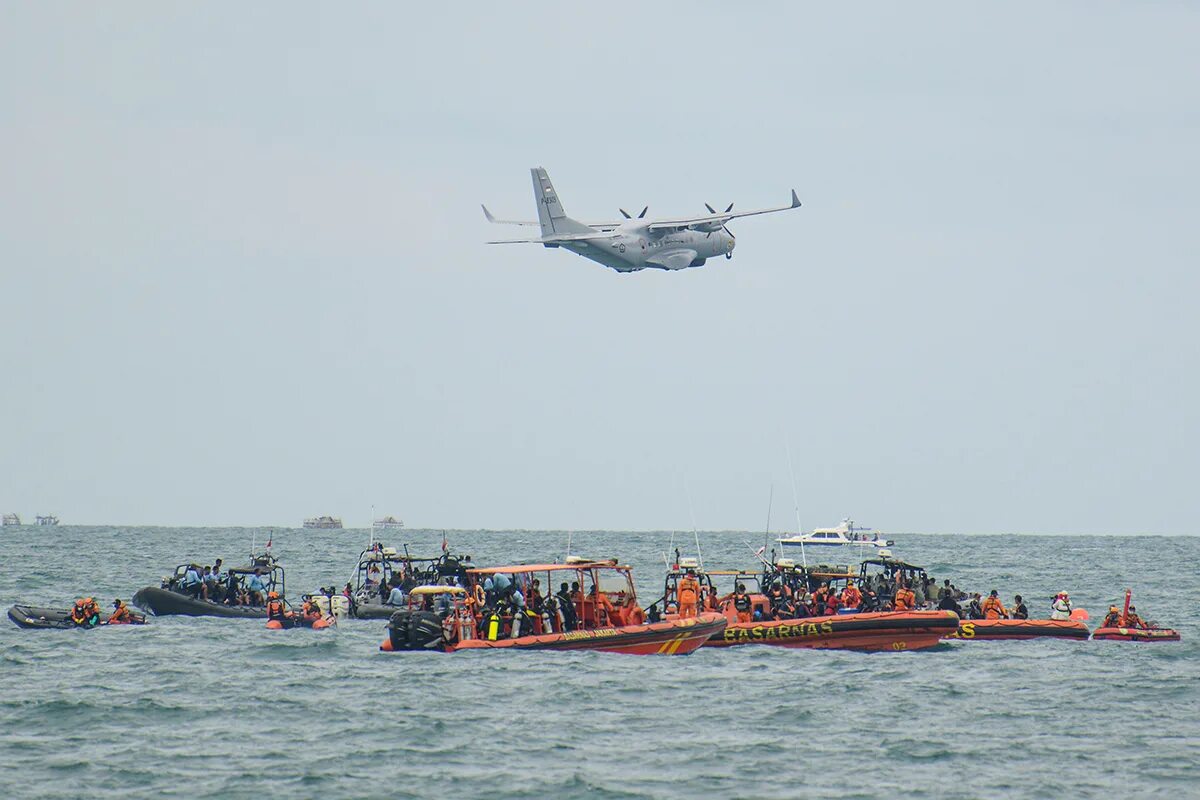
{"x": 715, "y": 221}
{"x": 559, "y": 238}
{"x": 604, "y": 226}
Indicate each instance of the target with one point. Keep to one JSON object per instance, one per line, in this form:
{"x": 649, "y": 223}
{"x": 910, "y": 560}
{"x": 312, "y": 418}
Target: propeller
{"x": 712, "y": 210}
{"x": 625, "y": 213}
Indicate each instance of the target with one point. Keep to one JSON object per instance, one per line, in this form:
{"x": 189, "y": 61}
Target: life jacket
{"x": 689, "y": 591}
{"x": 904, "y": 599}
{"x": 275, "y": 609}
{"x": 832, "y": 603}
{"x": 79, "y": 614}
{"x": 851, "y": 597}
{"x": 634, "y": 615}
{"x": 1113, "y": 620}
{"x": 993, "y": 608}
{"x": 741, "y": 601}
{"x": 121, "y": 614}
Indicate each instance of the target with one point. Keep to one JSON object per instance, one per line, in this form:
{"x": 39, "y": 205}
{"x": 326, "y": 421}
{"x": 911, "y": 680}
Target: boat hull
{"x": 1137, "y": 634}
{"x": 163, "y": 602}
{"x": 996, "y": 629}
{"x": 673, "y": 637}
{"x": 372, "y": 611}
{"x": 889, "y": 630}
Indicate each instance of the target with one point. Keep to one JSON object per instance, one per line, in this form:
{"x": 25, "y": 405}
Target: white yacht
{"x": 844, "y": 534}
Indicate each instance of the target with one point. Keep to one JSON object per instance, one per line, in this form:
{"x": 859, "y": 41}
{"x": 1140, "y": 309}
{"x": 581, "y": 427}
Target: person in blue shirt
{"x": 256, "y": 588}
{"x": 192, "y": 581}
{"x": 396, "y": 598}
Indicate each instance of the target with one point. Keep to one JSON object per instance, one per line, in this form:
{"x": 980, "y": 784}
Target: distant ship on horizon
{"x": 388, "y": 523}
{"x": 48, "y": 519}
{"x": 323, "y": 522}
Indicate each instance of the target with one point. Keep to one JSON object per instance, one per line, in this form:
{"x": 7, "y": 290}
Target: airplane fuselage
{"x": 634, "y": 248}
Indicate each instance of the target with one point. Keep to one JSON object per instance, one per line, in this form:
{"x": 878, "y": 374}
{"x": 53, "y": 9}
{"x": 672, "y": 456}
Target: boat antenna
{"x": 695, "y": 533}
{"x": 767, "y": 530}
{"x": 569, "y": 532}
{"x": 371, "y": 528}
{"x": 795, "y": 502}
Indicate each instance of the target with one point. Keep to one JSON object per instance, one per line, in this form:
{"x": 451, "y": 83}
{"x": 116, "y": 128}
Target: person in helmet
{"x": 1113, "y": 618}
{"x": 276, "y": 610}
{"x": 1061, "y": 607}
{"x": 85, "y": 613}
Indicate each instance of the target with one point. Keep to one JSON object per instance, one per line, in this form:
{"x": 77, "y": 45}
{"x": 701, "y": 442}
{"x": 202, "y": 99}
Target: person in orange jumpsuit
{"x": 606, "y": 612}
{"x": 993, "y": 608}
{"x": 904, "y": 599}
{"x": 689, "y": 594}
{"x": 743, "y": 604}
{"x": 851, "y": 596}
{"x": 633, "y": 612}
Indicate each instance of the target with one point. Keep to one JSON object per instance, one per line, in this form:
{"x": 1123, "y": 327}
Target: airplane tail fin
{"x": 550, "y": 211}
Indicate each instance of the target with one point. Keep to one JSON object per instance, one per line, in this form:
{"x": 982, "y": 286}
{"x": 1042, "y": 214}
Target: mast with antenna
{"x": 795, "y": 502}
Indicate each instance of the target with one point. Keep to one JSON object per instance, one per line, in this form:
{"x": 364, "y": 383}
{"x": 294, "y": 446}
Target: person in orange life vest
{"x": 712, "y": 598}
{"x": 689, "y": 594}
{"x": 121, "y": 613}
{"x": 742, "y": 603}
{"x": 311, "y": 610}
{"x": 904, "y": 599}
{"x": 851, "y": 596}
{"x": 1132, "y": 620}
{"x": 276, "y": 610}
{"x": 993, "y": 608}
{"x": 832, "y": 603}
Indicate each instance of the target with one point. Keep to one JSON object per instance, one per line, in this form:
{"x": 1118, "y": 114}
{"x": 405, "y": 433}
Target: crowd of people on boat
{"x": 229, "y": 587}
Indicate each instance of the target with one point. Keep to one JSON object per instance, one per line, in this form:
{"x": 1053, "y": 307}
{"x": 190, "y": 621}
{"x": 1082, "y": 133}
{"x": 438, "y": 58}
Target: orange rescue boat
{"x": 992, "y": 629}
{"x": 510, "y": 608}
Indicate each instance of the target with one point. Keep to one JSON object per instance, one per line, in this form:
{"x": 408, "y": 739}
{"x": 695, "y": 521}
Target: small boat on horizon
{"x": 10, "y": 521}
{"x": 388, "y": 523}
{"x": 324, "y": 522}
{"x": 49, "y": 519}
{"x": 844, "y": 534}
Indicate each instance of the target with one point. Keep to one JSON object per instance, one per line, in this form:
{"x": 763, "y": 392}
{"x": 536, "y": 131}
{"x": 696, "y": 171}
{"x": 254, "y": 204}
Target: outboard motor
{"x": 397, "y": 629}
{"x": 424, "y": 631}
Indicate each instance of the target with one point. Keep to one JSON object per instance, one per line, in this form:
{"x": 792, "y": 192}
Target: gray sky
{"x": 243, "y": 279}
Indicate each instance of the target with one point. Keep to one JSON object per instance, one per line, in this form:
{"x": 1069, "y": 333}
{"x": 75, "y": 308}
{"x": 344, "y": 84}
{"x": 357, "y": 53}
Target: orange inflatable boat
{"x": 1137, "y": 634}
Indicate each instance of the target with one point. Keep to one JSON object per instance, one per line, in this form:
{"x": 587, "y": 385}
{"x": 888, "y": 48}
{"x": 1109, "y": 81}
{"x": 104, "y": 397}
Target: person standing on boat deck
{"x": 689, "y": 594}
{"x": 1019, "y": 611}
{"x": 256, "y": 588}
{"x": 1061, "y": 607}
{"x": 993, "y": 608}
{"x": 191, "y": 581}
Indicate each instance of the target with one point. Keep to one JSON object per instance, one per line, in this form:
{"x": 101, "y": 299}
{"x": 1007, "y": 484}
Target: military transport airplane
{"x": 634, "y": 243}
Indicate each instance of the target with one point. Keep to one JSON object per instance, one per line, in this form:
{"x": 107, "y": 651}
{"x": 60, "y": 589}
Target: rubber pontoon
{"x": 163, "y": 602}
{"x": 995, "y": 629}
{"x": 887, "y": 630}
{"x": 1137, "y": 634}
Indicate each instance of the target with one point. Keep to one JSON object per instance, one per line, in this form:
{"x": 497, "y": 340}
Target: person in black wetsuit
{"x": 1019, "y": 611}
{"x": 948, "y": 603}
{"x": 567, "y": 607}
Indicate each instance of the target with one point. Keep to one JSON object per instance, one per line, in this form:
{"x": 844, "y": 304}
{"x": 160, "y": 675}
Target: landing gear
{"x": 728, "y": 256}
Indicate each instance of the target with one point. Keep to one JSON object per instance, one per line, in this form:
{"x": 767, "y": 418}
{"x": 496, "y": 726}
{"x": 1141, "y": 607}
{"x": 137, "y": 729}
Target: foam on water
{"x": 209, "y": 707}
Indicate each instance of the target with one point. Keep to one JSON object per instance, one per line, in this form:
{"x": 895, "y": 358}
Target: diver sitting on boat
{"x": 85, "y": 613}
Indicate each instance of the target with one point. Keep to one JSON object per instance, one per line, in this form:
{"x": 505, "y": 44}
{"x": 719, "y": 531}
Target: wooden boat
{"x": 991, "y": 629}
{"x": 1137, "y": 634}
{"x": 599, "y": 613}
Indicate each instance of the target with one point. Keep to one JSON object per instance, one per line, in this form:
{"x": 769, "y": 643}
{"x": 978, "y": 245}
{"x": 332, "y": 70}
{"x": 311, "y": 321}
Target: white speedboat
{"x": 49, "y": 519}
{"x": 323, "y": 522}
{"x": 844, "y": 534}
{"x": 388, "y": 523}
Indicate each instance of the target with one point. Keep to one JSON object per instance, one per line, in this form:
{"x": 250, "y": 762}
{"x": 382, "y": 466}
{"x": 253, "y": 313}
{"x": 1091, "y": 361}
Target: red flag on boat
{"x": 445, "y": 544}
{"x": 270, "y": 538}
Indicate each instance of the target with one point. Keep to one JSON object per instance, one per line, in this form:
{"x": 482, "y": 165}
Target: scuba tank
{"x": 517, "y": 618}
{"x": 493, "y": 626}
{"x": 466, "y": 625}
{"x": 547, "y": 627}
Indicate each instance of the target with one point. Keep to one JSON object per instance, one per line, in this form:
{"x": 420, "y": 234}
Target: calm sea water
{"x": 219, "y": 708}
